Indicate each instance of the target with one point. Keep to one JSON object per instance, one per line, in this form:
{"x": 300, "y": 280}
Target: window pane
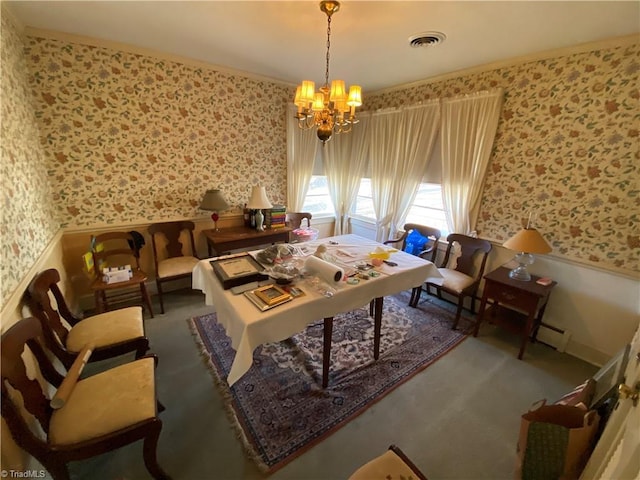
{"x": 318, "y": 201}
{"x": 428, "y": 209}
{"x": 364, "y": 200}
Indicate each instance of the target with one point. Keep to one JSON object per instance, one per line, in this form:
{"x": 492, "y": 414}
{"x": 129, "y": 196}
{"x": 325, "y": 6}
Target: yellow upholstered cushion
{"x": 106, "y": 402}
{"x": 454, "y": 280}
{"x": 106, "y": 329}
{"x": 176, "y": 266}
{"x": 386, "y": 466}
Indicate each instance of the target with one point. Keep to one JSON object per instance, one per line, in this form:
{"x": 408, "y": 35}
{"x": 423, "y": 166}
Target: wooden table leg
{"x": 326, "y": 350}
{"x": 483, "y": 304}
{"x": 377, "y": 326}
{"x": 526, "y": 335}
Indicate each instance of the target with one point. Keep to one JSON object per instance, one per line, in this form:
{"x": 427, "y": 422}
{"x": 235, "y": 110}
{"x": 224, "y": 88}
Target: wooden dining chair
{"x": 419, "y": 240}
{"x": 392, "y": 464}
{"x": 103, "y": 412}
{"x": 174, "y": 261}
{"x": 294, "y": 219}
{"x": 462, "y": 279}
{"x": 113, "y": 333}
{"x": 118, "y": 249}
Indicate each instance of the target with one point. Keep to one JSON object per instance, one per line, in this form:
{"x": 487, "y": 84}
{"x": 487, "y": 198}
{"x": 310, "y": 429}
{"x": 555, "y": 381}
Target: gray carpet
{"x": 457, "y": 419}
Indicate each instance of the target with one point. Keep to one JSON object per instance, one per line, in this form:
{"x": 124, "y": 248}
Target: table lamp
{"x": 257, "y": 202}
{"x": 526, "y": 241}
{"x": 213, "y": 201}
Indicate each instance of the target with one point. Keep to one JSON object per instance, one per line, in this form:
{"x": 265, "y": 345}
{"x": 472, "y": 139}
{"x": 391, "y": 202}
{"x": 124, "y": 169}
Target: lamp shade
{"x": 213, "y": 201}
{"x": 528, "y": 240}
{"x": 258, "y": 199}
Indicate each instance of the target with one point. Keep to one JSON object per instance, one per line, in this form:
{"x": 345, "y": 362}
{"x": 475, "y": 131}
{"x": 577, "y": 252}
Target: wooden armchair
{"x": 294, "y": 219}
{"x": 112, "y": 333}
{"x": 103, "y": 412}
{"x": 462, "y": 280}
{"x": 172, "y": 263}
{"x": 428, "y": 250}
{"x": 119, "y": 248}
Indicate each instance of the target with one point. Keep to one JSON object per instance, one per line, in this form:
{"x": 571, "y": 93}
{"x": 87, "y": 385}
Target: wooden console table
{"x": 224, "y": 240}
{"x": 516, "y": 305}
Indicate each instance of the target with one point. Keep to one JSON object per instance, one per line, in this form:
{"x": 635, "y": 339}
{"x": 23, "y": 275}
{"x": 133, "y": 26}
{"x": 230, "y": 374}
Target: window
{"x": 318, "y": 201}
{"x": 427, "y": 208}
{"x": 364, "y": 201}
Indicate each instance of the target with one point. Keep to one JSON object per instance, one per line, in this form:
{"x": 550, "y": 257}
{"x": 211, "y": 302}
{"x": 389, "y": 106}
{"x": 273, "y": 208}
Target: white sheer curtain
{"x": 421, "y": 125}
{"x": 301, "y": 155}
{"x": 344, "y": 158}
{"x": 384, "y": 127}
{"x": 469, "y": 125}
{"x": 400, "y": 146}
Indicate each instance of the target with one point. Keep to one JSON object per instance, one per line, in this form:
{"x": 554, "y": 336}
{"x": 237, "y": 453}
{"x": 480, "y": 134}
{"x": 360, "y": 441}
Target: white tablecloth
{"x": 248, "y": 327}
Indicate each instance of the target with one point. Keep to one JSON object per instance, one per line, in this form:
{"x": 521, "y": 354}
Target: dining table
{"x": 249, "y": 327}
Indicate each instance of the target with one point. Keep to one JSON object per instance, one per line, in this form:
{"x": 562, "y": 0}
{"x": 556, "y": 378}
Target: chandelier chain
{"x": 326, "y": 74}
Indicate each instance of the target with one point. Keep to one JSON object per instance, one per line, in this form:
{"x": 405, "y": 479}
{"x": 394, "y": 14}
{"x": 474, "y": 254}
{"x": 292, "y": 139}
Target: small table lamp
{"x": 257, "y": 202}
{"x": 213, "y": 201}
{"x": 526, "y": 241}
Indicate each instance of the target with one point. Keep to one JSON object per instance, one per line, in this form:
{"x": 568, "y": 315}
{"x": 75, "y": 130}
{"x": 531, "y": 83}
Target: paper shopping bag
{"x": 555, "y": 442}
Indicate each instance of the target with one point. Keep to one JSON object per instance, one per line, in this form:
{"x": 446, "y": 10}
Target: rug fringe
{"x": 227, "y": 398}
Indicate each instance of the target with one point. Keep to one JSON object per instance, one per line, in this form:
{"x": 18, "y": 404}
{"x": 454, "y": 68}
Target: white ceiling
{"x": 286, "y": 40}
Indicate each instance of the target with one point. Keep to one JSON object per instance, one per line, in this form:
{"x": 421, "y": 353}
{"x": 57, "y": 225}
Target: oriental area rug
{"x": 279, "y": 407}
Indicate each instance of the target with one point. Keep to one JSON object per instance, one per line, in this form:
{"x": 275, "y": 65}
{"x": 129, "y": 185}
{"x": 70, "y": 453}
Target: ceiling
{"x": 286, "y": 40}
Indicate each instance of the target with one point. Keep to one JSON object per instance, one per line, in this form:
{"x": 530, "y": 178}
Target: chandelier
{"x": 330, "y": 109}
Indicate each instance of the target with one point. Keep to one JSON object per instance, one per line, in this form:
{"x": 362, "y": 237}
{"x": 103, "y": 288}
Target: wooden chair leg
{"x": 150, "y": 452}
{"x": 415, "y": 296}
{"x": 159, "y": 285}
{"x": 57, "y": 469}
{"x": 143, "y": 348}
{"x": 458, "y": 313}
{"x": 146, "y": 298}
{"x": 103, "y": 299}
{"x": 371, "y": 308}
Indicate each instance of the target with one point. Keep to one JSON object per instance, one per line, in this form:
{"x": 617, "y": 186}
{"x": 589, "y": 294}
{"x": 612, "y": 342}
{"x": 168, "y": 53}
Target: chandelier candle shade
{"x": 526, "y": 241}
{"x": 214, "y": 201}
{"x": 257, "y": 202}
{"x": 331, "y": 109}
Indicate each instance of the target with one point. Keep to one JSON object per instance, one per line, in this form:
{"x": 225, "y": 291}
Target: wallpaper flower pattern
{"x": 131, "y": 138}
{"x": 28, "y": 221}
{"x": 127, "y": 138}
{"x": 566, "y": 150}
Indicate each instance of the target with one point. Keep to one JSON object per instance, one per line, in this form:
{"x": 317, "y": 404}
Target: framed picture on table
{"x": 237, "y": 270}
{"x": 268, "y": 297}
{"x": 272, "y": 294}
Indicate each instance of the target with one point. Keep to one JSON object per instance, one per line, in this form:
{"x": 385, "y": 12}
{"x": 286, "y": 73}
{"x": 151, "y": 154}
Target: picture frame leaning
{"x": 237, "y": 270}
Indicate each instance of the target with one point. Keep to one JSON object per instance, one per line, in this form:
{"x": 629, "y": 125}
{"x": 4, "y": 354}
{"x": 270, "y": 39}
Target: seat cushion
{"x": 454, "y": 280}
{"x": 386, "y": 466}
{"x": 105, "y": 403}
{"x": 106, "y": 329}
{"x": 176, "y": 266}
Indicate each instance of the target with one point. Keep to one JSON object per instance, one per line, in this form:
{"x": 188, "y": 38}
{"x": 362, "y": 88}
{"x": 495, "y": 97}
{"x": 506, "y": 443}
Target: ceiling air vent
{"x": 426, "y": 39}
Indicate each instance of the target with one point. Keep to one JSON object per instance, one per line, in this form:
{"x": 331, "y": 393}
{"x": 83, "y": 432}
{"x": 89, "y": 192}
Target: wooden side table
{"x": 515, "y": 305}
{"x": 237, "y": 238}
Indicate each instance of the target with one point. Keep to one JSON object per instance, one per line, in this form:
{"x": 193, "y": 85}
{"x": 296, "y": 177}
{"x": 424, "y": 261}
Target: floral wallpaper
{"x": 133, "y": 138}
{"x": 28, "y": 221}
{"x": 127, "y": 138}
{"x": 566, "y": 150}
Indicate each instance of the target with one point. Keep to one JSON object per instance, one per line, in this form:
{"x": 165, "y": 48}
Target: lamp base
{"x": 520, "y": 272}
{"x": 259, "y": 220}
